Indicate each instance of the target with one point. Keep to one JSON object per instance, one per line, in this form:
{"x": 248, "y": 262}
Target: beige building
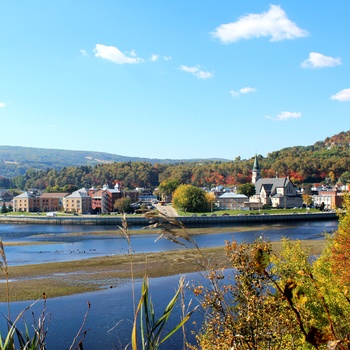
{"x": 26, "y": 201}
{"x": 232, "y": 201}
{"x": 78, "y": 202}
{"x": 52, "y": 201}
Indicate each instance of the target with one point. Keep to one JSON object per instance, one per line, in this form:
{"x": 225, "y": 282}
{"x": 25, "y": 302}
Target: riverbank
{"x": 188, "y": 221}
{"x": 29, "y": 282}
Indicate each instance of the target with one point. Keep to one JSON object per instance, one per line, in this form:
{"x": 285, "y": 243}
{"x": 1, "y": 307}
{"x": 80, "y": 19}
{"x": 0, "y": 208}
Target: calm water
{"x": 109, "y": 322}
{"x": 63, "y": 243}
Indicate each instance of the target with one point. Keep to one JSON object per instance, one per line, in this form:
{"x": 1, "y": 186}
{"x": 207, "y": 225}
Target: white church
{"x": 278, "y": 192}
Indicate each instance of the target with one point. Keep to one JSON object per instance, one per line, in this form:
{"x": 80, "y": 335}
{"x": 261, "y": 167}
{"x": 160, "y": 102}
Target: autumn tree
{"x": 340, "y": 256}
{"x": 280, "y": 301}
{"x": 307, "y": 199}
{"x": 190, "y": 198}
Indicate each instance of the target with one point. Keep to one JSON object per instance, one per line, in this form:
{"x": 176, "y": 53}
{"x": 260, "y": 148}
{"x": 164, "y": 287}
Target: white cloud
{"x": 245, "y": 90}
{"x": 154, "y": 58}
{"x": 2, "y": 105}
{"x": 111, "y": 53}
{"x": 283, "y": 116}
{"x": 317, "y": 60}
{"x": 197, "y": 72}
{"x": 343, "y": 95}
{"x": 274, "y": 23}
{"x": 167, "y": 58}
{"x": 84, "y": 53}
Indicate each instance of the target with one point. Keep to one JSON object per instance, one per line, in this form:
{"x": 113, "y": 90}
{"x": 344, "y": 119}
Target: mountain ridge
{"x": 15, "y": 160}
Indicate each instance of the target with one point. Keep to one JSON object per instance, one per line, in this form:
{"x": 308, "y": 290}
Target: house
{"x": 232, "y": 201}
{"x": 277, "y": 192}
{"x": 78, "y": 202}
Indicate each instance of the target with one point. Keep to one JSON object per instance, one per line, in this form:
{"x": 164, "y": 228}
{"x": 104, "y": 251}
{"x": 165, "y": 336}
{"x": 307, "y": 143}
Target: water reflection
{"x": 54, "y": 243}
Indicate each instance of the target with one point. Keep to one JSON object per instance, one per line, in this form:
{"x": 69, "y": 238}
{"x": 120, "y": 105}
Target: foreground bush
{"x": 285, "y": 301}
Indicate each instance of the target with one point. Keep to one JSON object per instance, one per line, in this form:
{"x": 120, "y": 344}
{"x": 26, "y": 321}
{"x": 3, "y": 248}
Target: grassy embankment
{"x": 28, "y": 282}
{"x": 182, "y": 213}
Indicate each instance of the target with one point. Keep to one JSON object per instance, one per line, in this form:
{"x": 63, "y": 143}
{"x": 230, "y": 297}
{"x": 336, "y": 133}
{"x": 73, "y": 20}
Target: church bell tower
{"x": 256, "y": 170}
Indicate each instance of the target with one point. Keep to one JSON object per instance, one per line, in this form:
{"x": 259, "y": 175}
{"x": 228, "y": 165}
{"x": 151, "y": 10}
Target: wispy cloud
{"x": 2, "y": 105}
{"x": 197, "y": 72}
{"x": 154, "y": 58}
{"x": 317, "y": 60}
{"x": 343, "y": 95}
{"x": 274, "y": 23}
{"x": 113, "y": 54}
{"x": 283, "y": 116}
{"x": 245, "y": 90}
{"x": 84, "y": 53}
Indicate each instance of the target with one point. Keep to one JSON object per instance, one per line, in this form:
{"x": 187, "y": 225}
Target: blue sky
{"x": 173, "y": 79}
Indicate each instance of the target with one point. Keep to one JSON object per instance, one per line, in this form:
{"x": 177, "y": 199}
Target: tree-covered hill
{"x": 15, "y": 160}
{"x": 326, "y": 161}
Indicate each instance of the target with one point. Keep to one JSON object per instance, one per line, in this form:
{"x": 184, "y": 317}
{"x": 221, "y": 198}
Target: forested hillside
{"x": 325, "y": 161}
{"x": 15, "y": 160}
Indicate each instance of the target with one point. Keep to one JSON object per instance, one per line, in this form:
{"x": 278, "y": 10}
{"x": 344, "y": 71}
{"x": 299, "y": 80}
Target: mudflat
{"x": 29, "y": 282}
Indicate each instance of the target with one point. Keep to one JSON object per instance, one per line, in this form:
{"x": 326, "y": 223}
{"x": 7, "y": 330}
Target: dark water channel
{"x": 109, "y": 322}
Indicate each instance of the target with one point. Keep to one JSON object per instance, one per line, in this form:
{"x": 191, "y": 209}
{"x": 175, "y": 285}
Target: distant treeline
{"x": 326, "y": 161}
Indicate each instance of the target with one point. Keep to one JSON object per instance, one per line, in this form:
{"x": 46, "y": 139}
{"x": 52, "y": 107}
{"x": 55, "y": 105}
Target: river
{"x": 109, "y": 320}
{"x": 53, "y": 243}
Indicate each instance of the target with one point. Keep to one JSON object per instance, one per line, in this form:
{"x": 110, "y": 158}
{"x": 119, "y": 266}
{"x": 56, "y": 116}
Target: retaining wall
{"x": 199, "y": 221}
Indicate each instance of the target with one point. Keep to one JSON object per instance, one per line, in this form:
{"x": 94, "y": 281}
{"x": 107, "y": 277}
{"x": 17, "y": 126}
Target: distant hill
{"x": 16, "y": 160}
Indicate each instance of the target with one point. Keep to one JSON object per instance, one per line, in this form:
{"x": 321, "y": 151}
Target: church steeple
{"x": 256, "y": 170}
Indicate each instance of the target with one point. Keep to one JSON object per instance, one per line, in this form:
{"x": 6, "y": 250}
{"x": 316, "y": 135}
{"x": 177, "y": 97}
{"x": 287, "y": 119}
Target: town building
{"x": 5, "y": 195}
{"x": 232, "y": 201}
{"x": 78, "y": 202}
{"x": 102, "y": 200}
{"x": 52, "y": 201}
{"x": 27, "y": 201}
{"x": 328, "y": 199}
{"x": 275, "y": 192}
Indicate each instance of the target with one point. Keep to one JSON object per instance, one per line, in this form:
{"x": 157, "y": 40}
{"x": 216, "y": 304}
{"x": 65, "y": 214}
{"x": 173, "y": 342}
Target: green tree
{"x": 247, "y": 189}
{"x": 4, "y": 208}
{"x": 190, "y": 198}
{"x": 345, "y": 178}
{"x": 123, "y": 204}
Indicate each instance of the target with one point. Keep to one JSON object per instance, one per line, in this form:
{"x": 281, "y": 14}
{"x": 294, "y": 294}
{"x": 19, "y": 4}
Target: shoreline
{"x": 188, "y": 221}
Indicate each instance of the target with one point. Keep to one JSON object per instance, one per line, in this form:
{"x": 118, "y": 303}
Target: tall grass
{"x": 16, "y": 338}
{"x": 148, "y": 330}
